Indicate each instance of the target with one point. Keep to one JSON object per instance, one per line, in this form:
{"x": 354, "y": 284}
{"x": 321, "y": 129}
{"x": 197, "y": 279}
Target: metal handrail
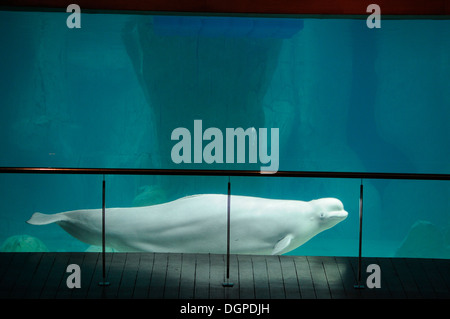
{"x": 214, "y": 172}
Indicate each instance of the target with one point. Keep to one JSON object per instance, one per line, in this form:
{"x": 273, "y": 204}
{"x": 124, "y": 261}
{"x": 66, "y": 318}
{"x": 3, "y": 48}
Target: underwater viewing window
{"x": 120, "y": 96}
{"x": 111, "y": 94}
{"x": 381, "y": 237}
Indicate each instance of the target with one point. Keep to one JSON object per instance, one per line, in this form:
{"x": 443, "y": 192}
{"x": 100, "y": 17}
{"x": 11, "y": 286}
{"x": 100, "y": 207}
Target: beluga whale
{"x": 198, "y": 224}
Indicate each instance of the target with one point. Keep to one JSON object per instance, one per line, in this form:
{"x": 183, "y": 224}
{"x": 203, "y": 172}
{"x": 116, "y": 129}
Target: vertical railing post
{"x": 228, "y": 283}
{"x": 103, "y": 282}
{"x": 358, "y": 284}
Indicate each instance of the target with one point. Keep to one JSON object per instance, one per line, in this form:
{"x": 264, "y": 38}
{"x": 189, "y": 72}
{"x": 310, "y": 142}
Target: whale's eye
{"x": 322, "y": 215}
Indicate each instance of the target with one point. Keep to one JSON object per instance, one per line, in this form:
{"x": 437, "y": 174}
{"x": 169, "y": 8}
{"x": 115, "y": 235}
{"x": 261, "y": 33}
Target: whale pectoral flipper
{"x": 282, "y": 244}
{"x": 43, "y": 219}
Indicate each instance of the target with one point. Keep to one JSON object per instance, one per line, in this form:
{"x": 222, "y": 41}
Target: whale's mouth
{"x": 338, "y": 214}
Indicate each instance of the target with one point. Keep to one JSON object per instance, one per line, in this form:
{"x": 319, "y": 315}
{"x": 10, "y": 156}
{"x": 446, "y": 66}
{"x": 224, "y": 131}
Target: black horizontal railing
{"x": 214, "y": 172}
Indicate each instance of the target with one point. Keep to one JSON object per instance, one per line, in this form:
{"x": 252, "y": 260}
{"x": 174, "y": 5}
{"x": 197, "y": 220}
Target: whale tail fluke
{"x": 44, "y": 219}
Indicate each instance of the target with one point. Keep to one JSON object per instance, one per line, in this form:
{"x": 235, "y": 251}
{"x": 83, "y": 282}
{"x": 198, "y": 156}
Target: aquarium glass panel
{"x": 229, "y": 93}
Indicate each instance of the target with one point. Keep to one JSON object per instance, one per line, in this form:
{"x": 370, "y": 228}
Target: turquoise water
{"x": 344, "y": 98}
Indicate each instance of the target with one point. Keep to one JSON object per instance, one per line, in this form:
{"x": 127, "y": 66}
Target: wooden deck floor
{"x": 200, "y": 276}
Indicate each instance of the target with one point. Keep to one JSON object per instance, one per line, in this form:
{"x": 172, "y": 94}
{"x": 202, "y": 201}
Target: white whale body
{"x": 198, "y": 224}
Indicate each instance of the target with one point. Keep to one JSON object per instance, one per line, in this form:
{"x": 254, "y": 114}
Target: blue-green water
{"x": 344, "y": 97}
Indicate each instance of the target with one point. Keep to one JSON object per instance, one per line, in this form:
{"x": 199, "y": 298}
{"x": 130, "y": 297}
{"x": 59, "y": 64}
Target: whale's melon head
{"x": 327, "y": 212}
